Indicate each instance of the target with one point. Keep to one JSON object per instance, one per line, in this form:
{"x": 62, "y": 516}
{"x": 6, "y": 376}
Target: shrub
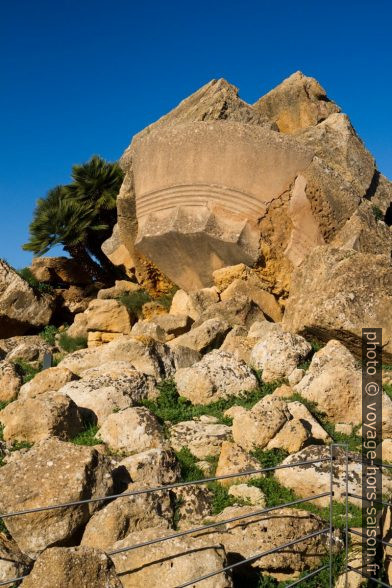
{"x": 38, "y": 287}
{"x": 134, "y": 301}
{"x": 26, "y": 370}
{"x": 49, "y": 334}
{"x": 71, "y": 344}
{"x": 377, "y": 213}
{"x": 166, "y": 299}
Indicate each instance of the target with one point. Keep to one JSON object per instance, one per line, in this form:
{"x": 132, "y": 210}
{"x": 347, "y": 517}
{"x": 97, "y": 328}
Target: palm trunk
{"x": 87, "y": 264}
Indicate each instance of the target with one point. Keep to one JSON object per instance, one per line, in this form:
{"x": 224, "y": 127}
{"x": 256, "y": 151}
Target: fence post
{"x": 330, "y": 512}
{"x": 346, "y": 516}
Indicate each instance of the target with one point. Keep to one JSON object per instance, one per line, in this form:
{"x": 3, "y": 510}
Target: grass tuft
{"x": 87, "y": 437}
{"x": 26, "y": 370}
{"x": 71, "y": 344}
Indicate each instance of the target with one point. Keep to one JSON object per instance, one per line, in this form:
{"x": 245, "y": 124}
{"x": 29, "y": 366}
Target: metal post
{"x": 346, "y": 529}
{"x": 330, "y": 513}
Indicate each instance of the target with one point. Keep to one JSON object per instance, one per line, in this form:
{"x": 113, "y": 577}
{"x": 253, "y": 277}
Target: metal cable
{"x": 380, "y": 582}
{"x": 253, "y": 558}
{"x": 359, "y": 497}
{"x": 310, "y": 575}
{"x": 216, "y": 524}
{"x": 158, "y": 488}
{"x": 388, "y": 543}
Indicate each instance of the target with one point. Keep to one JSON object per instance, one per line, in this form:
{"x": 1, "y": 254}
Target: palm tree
{"x": 60, "y": 220}
{"x": 80, "y": 216}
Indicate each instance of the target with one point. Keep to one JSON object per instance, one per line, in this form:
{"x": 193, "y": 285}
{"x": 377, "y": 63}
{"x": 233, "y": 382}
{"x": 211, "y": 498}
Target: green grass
{"x": 166, "y": 299}
{"x": 316, "y": 346}
{"x": 49, "y": 334}
{"x": 388, "y": 390}
{"x": 169, "y": 406}
{"x": 270, "y": 458}
{"x": 87, "y": 437}
{"x": 26, "y": 370}
{"x": 38, "y": 287}
{"x": 71, "y": 344}
{"x": 134, "y": 301}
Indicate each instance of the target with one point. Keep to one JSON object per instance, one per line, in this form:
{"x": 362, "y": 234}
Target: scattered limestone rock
{"x": 174, "y": 324}
{"x": 120, "y": 287}
{"x": 52, "y": 472}
{"x": 259, "y": 533}
{"x": 296, "y": 376}
{"x": 149, "y": 329}
{"x": 57, "y": 270}
{"x": 73, "y": 567}
{"x": 194, "y": 303}
{"x": 20, "y": 308}
{"x": 252, "y": 289}
{"x": 202, "y": 439}
{"x": 51, "y": 379}
{"x": 145, "y": 354}
{"x": 248, "y": 494}
{"x": 13, "y": 563}
{"x": 308, "y": 480}
{"x": 333, "y": 383}
{"x": 29, "y": 348}
{"x": 207, "y": 336}
{"x": 154, "y": 467}
{"x": 110, "y": 316}
{"x": 194, "y": 504}
{"x": 169, "y": 563}
{"x": 238, "y": 310}
{"x": 278, "y": 353}
{"x": 104, "y": 395}
{"x": 217, "y": 376}
{"x": 10, "y": 381}
{"x": 233, "y": 459}
{"x": 125, "y": 515}
{"x": 35, "y": 419}
{"x": 132, "y": 430}
{"x": 336, "y": 292}
{"x": 239, "y": 344}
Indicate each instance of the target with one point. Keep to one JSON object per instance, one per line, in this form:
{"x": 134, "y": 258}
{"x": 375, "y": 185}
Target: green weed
{"x": 38, "y": 287}
{"x": 49, "y": 334}
{"x": 134, "y": 301}
{"x": 26, "y": 370}
{"x": 87, "y": 437}
{"x": 71, "y": 344}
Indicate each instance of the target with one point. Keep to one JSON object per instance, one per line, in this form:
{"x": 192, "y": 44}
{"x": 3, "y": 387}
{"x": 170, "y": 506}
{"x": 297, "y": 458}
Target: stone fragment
{"x": 202, "y": 439}
{"x": 35, "y": 419}
{"x": 51, "y": 379}
{"x": 248, "y": 494}
{"x": 131, "y": 430}
{"x": 149, "y": 329}
{"x": 73, "y": 567}
{"x": 207, "y": 336}
{"x": 120, "y": 287}
{"x": 52, "y": 472}
{"x": 217, "y": 376}
{"x": 232, "y": 460}
{"x": 13, "y": 563}
{"x": 154, "y": 467}
{"x": 10, "y": 381}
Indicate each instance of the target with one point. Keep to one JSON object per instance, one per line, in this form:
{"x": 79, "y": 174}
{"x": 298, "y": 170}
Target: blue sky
{"x": 82, "y": 76}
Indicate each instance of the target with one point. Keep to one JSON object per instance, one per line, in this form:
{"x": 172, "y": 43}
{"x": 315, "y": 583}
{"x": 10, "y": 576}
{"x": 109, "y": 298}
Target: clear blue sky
{"x": 82, "y": 76}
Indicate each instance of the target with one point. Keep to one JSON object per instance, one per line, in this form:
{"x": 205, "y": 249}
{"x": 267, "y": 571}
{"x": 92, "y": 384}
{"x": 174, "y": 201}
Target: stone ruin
{"x": 218, "y": 182}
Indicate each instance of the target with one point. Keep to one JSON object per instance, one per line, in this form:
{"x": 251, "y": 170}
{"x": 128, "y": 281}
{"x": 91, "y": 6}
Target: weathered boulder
{"x": 51, "y": 379}
{"x": 277, "y": 353}
{"x": 132, "y": 430}
{"x": 31, "y": 349}
{"x": 205, "y": 337}
{"x": 120, "y": 287}
{"x": 202, "y": 439}
{"x": 174, "y": 324}
{"x": 252, "y": 291}
{"x": 154, "y": 467}
{"x": 110, "y": 316}
{"x": 145, "y": 354}
{"x": 34, "y": 419}
{"x": 239, "y": 344}
{"x": 248, "y": 494}
{"x": 57, "y": 270}
{"x": 262, "y": 532}
{"x": 334, "y": 383}
{"x": 311, "y": 479}
{"x": 232, "y": 460}
{"x": 217, "y": 376}
{"x": 238, "y": 310}
{"x": 274, "y": 423}
{"x": 52, "y": 472}
{"x": 169, "y": 563}
{"x": 125, "y": 515}
{"x": 104, "y": 394}
{"x": 337, "y": 292}
{"x": 73, "y": 567}
{"x": 10, "y": 381}
{"x": 21, "y": 309}
{"x": 149, "y": 329}
{"x": 194, "y": 303}
{"x": 297, "y": 103}
{"x": 194, "y": 505}
{"x": 13, "y": 563}
{"x": 118, "y": 253}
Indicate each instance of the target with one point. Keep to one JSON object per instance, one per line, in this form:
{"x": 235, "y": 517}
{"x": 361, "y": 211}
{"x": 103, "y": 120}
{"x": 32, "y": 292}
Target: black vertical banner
{"x": 371, "y": 450}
